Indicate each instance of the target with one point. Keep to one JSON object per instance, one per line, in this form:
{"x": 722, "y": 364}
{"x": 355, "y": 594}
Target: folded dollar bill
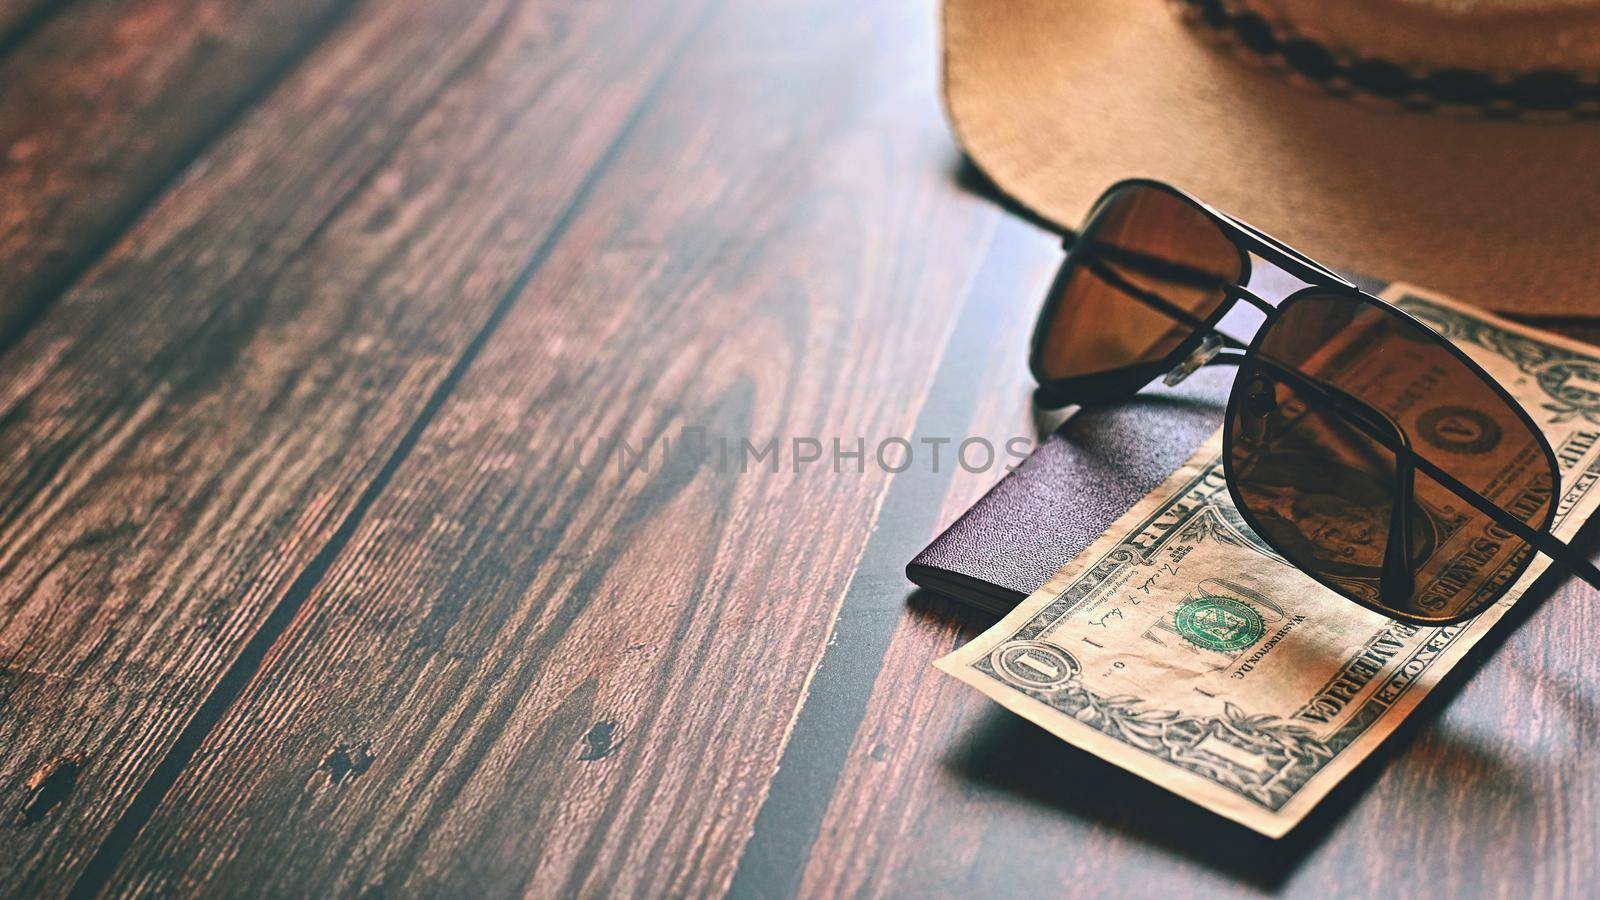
{"x": 1182, "y": 648}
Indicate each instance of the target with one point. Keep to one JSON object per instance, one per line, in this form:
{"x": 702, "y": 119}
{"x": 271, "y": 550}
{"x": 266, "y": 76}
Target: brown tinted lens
{"x": 1321, "y": 489}
{"x": 1140, "y": 239}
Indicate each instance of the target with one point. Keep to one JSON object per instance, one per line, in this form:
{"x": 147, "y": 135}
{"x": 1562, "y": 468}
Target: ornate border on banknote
{"x": 1264, "y": 769}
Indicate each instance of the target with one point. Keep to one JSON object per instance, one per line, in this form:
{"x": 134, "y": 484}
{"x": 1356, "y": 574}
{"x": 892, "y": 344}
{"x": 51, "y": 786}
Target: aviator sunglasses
{"x": 1318, "y": 449}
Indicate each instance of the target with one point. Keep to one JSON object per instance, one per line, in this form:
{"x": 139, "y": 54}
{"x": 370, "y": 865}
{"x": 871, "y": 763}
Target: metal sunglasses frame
{"x": 1321, "y": 281}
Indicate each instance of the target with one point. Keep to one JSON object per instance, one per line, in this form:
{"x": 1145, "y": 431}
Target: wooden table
{"x": 314, "y": 313}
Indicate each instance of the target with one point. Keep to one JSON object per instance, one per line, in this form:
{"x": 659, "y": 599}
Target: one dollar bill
{"x": 1181, "y": 647}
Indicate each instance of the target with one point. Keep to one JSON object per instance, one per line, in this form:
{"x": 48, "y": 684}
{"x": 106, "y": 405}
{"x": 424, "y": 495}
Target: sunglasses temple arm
{"x": 1543, "y": 541}
{"x": 1158, "y": 303}
{"x": 1396, "y": 578}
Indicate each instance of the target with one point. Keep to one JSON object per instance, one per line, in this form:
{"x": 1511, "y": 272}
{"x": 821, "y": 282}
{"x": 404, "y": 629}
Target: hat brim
{"x": 1055, "y": 100}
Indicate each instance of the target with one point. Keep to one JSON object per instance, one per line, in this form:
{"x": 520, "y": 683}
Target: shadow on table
{"x": 1011, "y": 755}
{"x": 972, "y": 179}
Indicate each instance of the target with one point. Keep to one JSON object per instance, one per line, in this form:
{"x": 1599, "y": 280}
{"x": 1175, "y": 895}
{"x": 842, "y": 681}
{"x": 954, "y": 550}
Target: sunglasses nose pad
{"x": 1191, "y": 364}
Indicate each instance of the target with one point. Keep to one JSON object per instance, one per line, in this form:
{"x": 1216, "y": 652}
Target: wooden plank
{"x": 212, "y": 407}
{"x": 943, "y": 792}
{"x": 980, "y": 367}
{"x": 103, "y": 102}
{"x": 981, "y": 392}
{"x": 528, "y": 675}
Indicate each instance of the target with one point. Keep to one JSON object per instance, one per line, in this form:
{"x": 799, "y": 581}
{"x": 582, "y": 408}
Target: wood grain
{"x": 574, "y": 679}
{"x": 973, "y": 373}
{"x": 323, "y": 570}
{"x": 103, "y": 103}
{"x": 189, "y": 427}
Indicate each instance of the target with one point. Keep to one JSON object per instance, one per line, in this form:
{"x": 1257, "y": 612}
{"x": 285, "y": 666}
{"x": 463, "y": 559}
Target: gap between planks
{"x": 95, "y": 875}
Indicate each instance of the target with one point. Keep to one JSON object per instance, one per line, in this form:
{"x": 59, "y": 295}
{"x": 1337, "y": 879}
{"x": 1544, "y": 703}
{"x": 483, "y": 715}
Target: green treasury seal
{"x": 1219, "y": 623}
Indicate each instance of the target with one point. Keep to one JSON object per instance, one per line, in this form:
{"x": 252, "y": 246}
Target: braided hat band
{"x": 1543, "y": 93}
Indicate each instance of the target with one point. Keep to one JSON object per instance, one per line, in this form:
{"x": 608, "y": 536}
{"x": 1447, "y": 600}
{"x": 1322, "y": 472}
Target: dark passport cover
{"x": 1082, "y": 478}
{"x": 1075, "y": 484}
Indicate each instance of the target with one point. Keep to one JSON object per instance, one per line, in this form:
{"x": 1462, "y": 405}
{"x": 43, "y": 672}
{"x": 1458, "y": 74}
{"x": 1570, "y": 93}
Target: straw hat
{"x": 1466, "y": 158}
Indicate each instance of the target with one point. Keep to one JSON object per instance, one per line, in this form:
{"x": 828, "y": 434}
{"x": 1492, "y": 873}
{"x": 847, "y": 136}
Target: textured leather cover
{"x": 1074, "y": 485}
